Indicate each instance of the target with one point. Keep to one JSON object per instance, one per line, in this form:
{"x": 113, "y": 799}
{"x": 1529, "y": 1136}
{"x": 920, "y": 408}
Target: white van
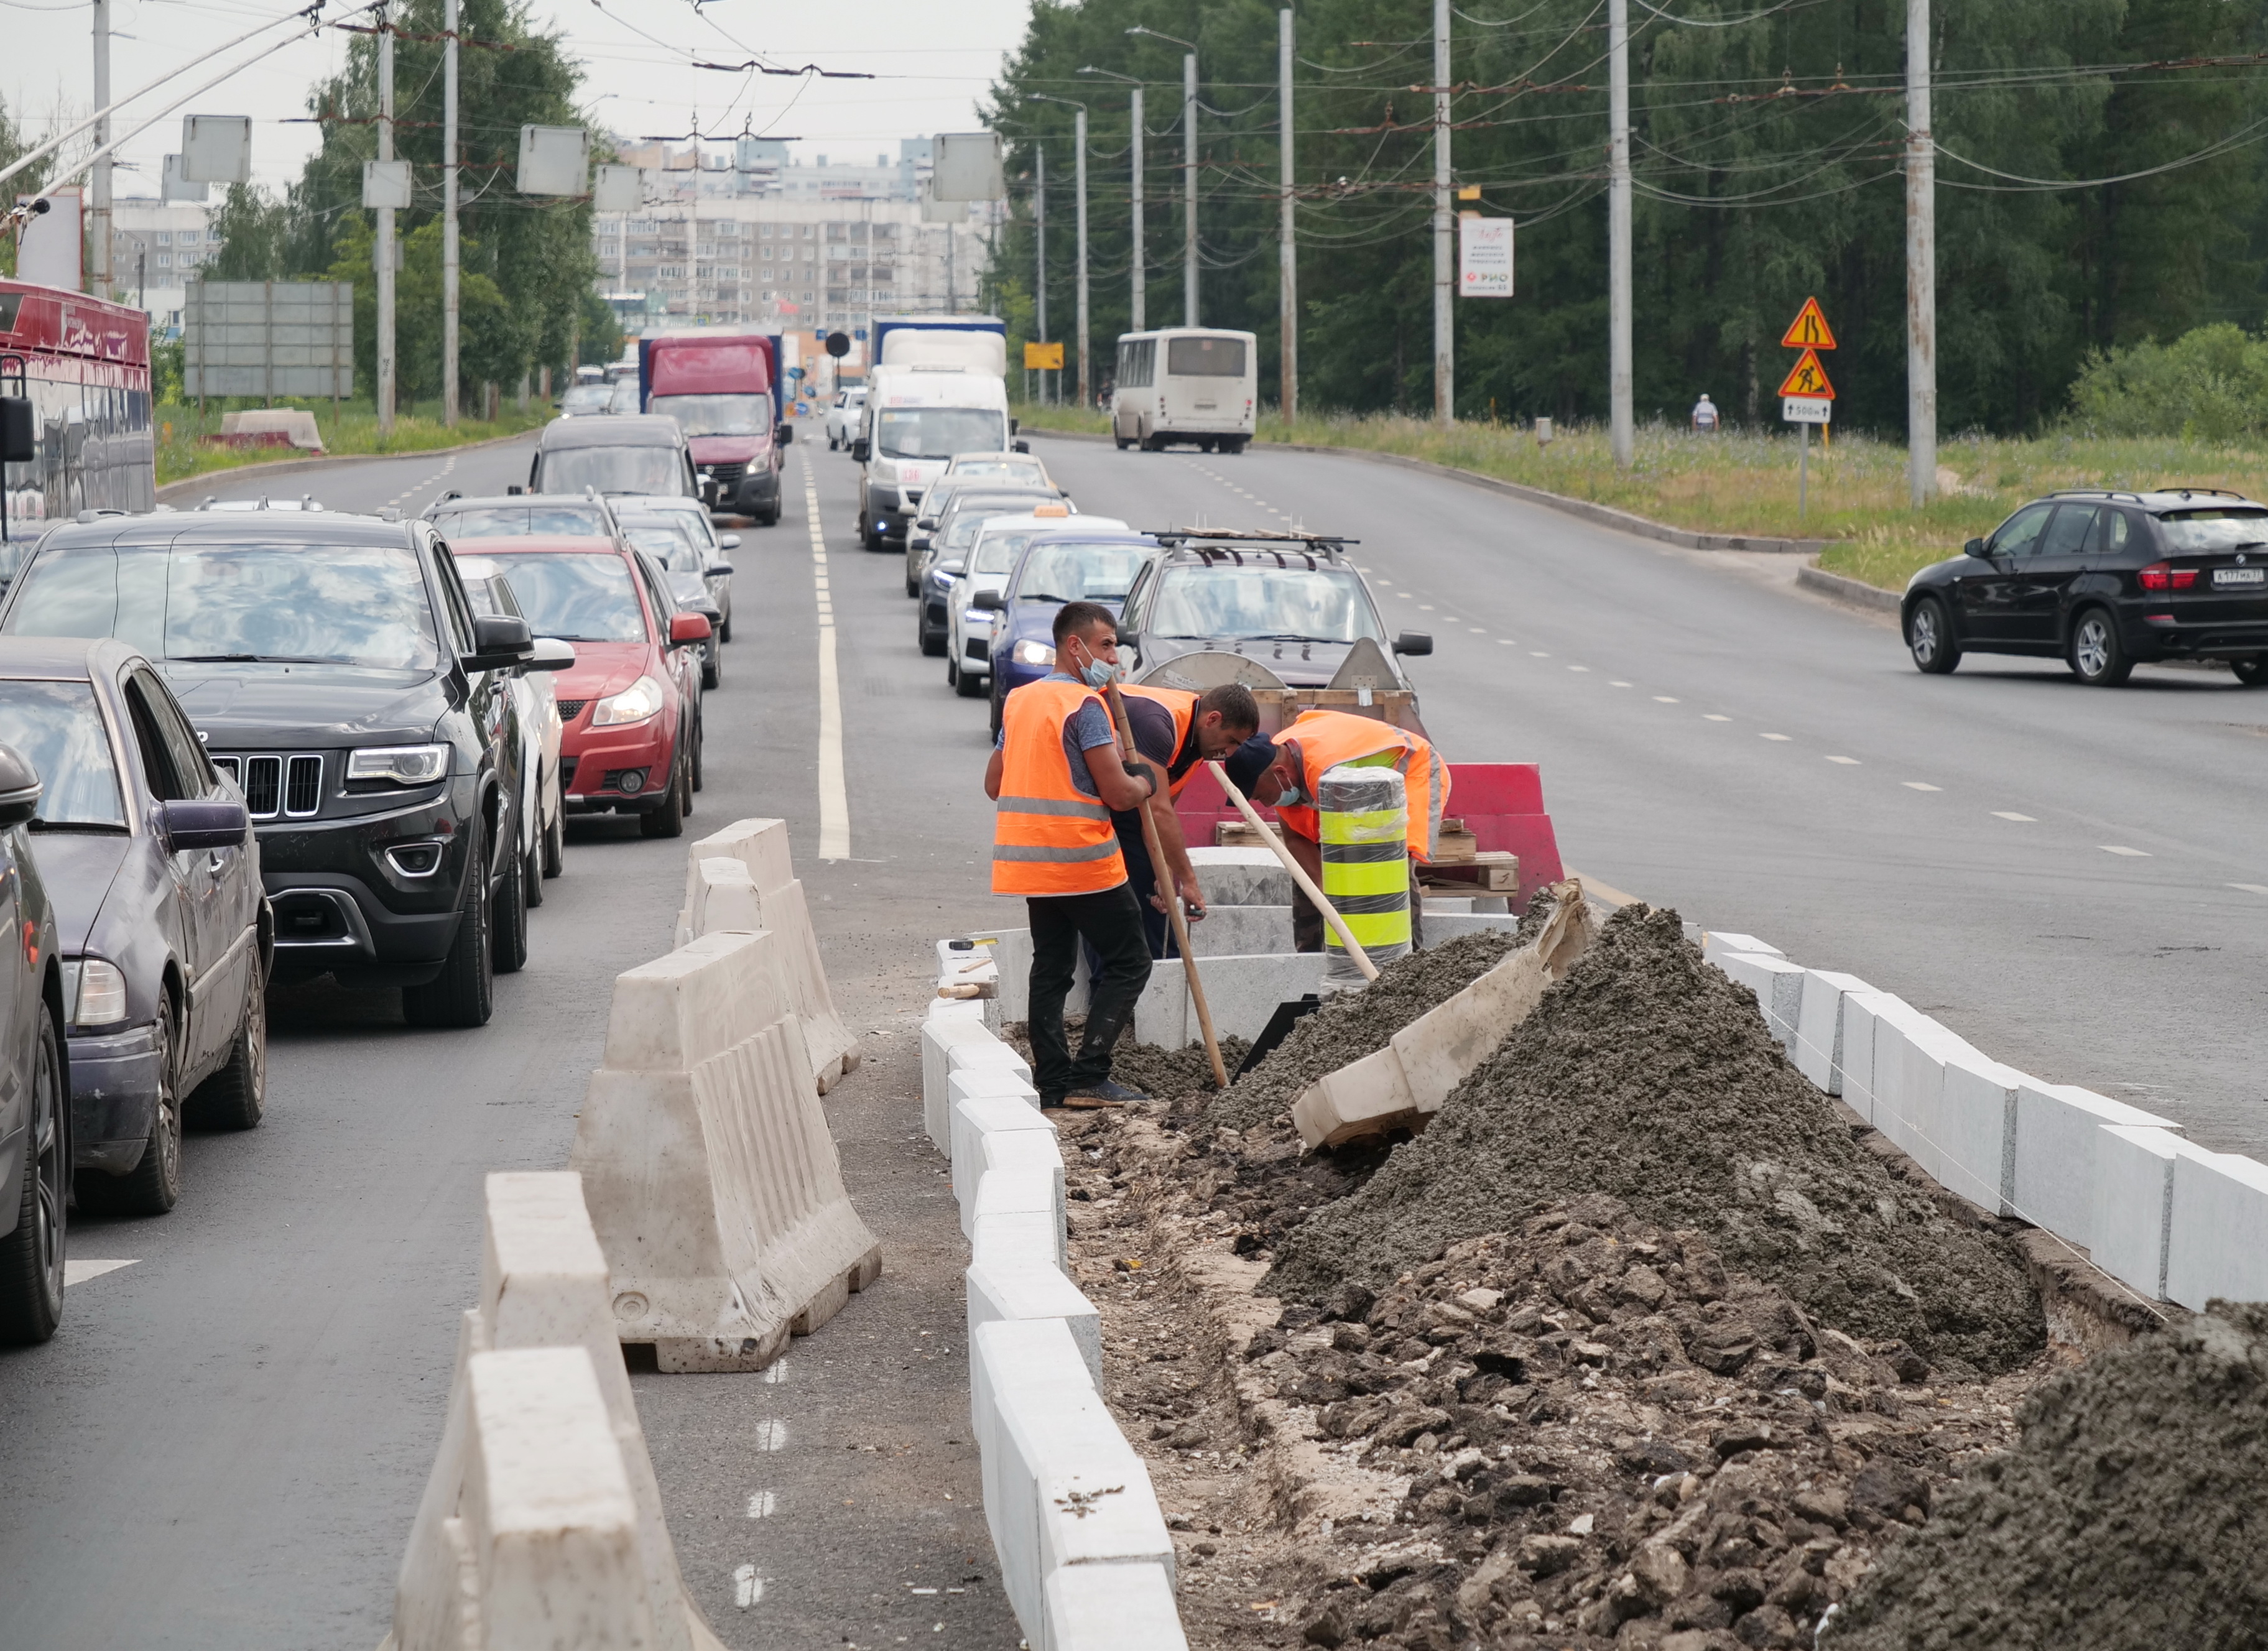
{"x": 916, "y": 418}
{"x": 1193, "y": 384}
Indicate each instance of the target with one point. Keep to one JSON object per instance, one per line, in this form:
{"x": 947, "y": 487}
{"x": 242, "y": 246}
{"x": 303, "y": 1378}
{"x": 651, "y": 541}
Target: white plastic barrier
{"x": 544, "y": 1284}
{"x": 1778, "y": 986}
{"x": 778, "y": 904}
{"x": 712, "y": 1180}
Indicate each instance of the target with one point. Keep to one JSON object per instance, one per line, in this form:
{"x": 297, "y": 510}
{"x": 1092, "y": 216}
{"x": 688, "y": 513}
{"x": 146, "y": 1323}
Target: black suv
{"x": 338, "y": 676}
{"x": 2105, "y": 581}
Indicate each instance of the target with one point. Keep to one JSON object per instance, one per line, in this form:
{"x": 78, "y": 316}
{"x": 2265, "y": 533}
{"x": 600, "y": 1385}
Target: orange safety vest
{"x": 1181, "y": 706}
{"x": 1329, "y": 738}
{"x": 1049, "y": 838}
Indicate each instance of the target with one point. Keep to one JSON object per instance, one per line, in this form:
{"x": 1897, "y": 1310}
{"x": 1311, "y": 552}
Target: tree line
{"x": 2100, "y": 186}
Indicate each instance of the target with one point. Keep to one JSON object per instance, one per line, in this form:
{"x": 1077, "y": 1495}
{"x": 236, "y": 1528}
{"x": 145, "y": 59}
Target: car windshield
{"x": 1062, "y": 572}
{"x": 938, "y": 432}
{"x": 665, "y": 543}
{"x": 968, "y": 520}
{"x": 717, "y": 414}
{"x": 317, "y": 604}
{"x": 1292, "y": 604}
{"x": 613, "y": 470}
{"x": 57, "y": 728}
{"x": 1005, "y": 469}
{"x": 508, "y": 521}
{"x": 586, "y": 398}
{"x": 692, "y": 520}
{"x": 2217, "y": 529}
{"x": 623, "y": 398}
{"x": 996, "y": 552}
{"x": 575, "y": 596}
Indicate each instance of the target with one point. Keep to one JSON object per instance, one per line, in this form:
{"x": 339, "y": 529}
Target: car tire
{"x": 464, "y": 992}
{"x": 1000, "y": 703}
{"x": 953, "y": 675}
{"x": 234, "y": 1097}
{"x": 2095, "y": 655}
{"x": 32, "y": 1257}
{"x": 1232, "y": 446}
{"x": 932, "y": 646}
{"x": 1929, "y": 637}
{"x": 968, "y": 685}
{"x": 531, "y": 874}
{"x": 700, "y": 750}
{"x": 668, "y": 820}
{"x": 510, "y": 922}
{"x": 724, "y": 632}
{"x": 772, "y": 518}
{"x": 712, "y": 669}
{"x": 2252, "y": 672}
{"x": 153, "y": 1186}
{"x": 553, "y": 848}
{"x": 1119, "y": 441}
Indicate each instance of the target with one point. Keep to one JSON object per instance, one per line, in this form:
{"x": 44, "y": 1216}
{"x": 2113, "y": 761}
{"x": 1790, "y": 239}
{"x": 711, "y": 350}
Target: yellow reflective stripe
{"x": 1374, "y": 825}
{"x": 1374, "y": 929}
{"x": 1379, "y": 877}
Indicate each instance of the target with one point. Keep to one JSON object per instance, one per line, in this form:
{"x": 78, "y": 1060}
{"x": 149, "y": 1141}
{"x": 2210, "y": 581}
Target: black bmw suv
{"x": 340, "y": 679}
{"x": 2104, "y": 581}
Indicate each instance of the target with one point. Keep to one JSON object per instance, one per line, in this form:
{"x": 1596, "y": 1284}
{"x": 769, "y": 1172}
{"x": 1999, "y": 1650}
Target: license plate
{"x": 2240, "y": 576}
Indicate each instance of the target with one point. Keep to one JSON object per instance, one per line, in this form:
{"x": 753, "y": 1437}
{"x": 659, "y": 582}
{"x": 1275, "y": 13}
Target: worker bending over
{"x": 1320, "y": 740}
{"x": 1179, "y": 730}
{"x": 1055, "y": 776}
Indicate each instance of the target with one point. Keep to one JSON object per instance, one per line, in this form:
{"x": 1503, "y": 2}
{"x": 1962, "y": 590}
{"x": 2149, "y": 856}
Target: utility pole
{"x": 1921, "y": 264}
{"x": 1140, "y": 259}
{"x": 449, "y": 213}
{"x": 1621, "y": 434}
{"x": 1189, "y": 182}
{"x": 385, "y": 243}
{"x": 1288, "y": 354}
{"x": 99, "y": 276}
{"x": 1078, "y": 130}
{"x": 1039, "y": 241}
{"x": 1445, "y": 275}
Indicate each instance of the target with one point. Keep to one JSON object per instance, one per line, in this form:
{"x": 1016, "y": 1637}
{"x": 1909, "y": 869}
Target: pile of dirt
{"x": 1354, "y": 1024}
{"x": 1648, "y": 1076}
{"x": 2129, "y": 1513}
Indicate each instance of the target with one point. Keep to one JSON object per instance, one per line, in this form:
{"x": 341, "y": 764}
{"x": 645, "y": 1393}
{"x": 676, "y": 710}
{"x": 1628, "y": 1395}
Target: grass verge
{"x": 182, "y": 450}
{"x": 1745, "y": 482}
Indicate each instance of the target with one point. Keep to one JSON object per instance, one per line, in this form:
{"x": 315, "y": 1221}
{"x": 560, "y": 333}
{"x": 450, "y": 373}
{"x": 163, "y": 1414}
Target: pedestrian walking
{"x": 1704, "y": 415}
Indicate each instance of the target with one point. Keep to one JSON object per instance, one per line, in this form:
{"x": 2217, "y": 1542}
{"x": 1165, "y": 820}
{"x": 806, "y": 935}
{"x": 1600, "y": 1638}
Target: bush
{"x": 2209, "y": 384}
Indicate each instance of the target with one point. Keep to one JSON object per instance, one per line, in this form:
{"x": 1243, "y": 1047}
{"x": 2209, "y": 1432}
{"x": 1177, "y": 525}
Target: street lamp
{"x": 1079, "y": 140}
{"x": 1188, "y": 170}
{"x": 1140, "y": 260}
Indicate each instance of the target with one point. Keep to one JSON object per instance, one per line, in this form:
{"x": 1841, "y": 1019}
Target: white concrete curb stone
{"x": 1778, "y": 986}
{"x": 940, "y": 1036}
{"x": 2217, "y": 1240}
{"x": 1817, "y": 1052}
{"x": 1034, "y": 1290}
{"x": 1716, "y": 942}
{"x": 2134, "y": 1203}
{"x": 1114, "y": 1608}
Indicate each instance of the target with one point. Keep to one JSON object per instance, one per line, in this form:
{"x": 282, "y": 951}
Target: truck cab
{"x": 939, "y": 390}
{"x": 724, "y": 391}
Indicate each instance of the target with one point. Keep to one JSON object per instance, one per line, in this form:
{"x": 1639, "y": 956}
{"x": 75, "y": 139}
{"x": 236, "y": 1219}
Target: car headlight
{"x": 95, "y": 991}
{"x": 403, "y": 765}
{"x": 1030, "y": 652}
{"x": 977, "y": 619}
{"x": 634, "y": 704}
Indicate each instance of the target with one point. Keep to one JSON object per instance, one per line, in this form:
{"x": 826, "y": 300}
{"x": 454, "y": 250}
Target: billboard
{"x": 268, "y": 338}
{"x": 967, "y": 167}
{"x": 1483, "y": 257}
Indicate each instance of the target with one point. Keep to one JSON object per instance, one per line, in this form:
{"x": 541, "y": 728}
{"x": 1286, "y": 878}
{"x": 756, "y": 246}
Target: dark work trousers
{"x": 1111, "y": 923}
{"x": 1142, "y": 878}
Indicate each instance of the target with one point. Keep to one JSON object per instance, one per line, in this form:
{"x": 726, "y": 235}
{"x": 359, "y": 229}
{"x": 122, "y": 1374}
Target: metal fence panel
{"x": 268, "y": 338}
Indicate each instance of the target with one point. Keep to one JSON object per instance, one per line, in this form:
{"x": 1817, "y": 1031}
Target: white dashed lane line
{"x": 1919, "y": 785}
{"x": 78, "y": 1270}
{"x": 2120, "y": 848}
{"x": 2251, "y": 888}
{"x": 1710, "y": 716}
{"x": 2021, "y": 819}
{"x": 1847, "y": 762}
{"x": 1781, "y": 737}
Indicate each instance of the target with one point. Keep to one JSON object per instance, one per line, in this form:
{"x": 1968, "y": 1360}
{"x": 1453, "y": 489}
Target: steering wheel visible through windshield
{"x": 575, "y": 597}
{"x": 1071, "y": 572}
{"x": 1253, "y": 603}
{"x": 938, "y": 432}
{"x": 296, "y": 604}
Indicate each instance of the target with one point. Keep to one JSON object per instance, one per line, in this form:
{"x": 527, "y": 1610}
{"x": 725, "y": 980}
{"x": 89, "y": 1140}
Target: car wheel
{"x": 933, "y": 642}
{"x": 668, "y": 820}
{"x": 1929, "y": 637}
{"x": 511, "y": 919}
{"x": 153, "y": 1186}
{"x": 531, "y": 874}
{"x": 32, "y": 1257}
{"x": 725, "y": 632}
{"x": 712, "y": 669}
{"x": 1119, "y": 441}
{"x": 968, "y": 685}
{"x": 2094, "y": 653}
{"x": 700, "y": 749}
{"x": 2252, "y": 672}
{"x": 234, "y": 1097}
{"x": 554, "y": 847}
{"x": 999, "y": 708}
{"x": 952, "y": 673}
{"x": 464, "y": 992}
{"x": 688, "y": 779}
{"x": 1233, "y": 445}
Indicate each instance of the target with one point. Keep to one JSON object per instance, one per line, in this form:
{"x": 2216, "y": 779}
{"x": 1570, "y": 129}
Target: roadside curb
{"x": 172, "y": 491}
{"x": 1605, "y": 515}
{"x": 1849, "y": 592}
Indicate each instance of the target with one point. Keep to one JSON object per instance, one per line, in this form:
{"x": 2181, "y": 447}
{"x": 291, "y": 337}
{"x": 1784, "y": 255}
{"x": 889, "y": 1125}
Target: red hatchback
{"x": 630, "y": 708}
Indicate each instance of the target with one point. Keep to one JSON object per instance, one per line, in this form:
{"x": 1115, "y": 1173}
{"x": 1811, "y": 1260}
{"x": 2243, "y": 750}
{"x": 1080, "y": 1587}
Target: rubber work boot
{"x": 1104, "y": 1094}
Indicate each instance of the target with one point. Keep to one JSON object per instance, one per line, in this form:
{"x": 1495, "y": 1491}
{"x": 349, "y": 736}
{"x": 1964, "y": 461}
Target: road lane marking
{"x": 1536, "y": 654}
{"x": 1664, "y": 699}
{"x": 1480, "y": 631}
{"x": 2021, "y": 819}
{"x": 1617, "y": 684}
{"x": 1579, "y": 667}
{"x": 1710, "y": 716}
{"x": 771, "y": 1436}
{"x": 1507, "y": 642}
{"x": 2120, "y": 848}
{"x": 1919, "y": 785}
{"x": 834, "y": 793}
{"x": 2250, "y": 888}
{"x": 775, "y": 1372}
{"x": 1781, "y": 737}
{"x": 1847, "y": 762}
{"x": 763, "y": 1504}
{"x": 747, "y": 1586}
{"x": 77, "y": 1271}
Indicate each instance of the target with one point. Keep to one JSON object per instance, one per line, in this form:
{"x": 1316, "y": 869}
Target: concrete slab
{"x": 1976, "y": 1130}
{"x": 1863, "y": 1011}
{"x": 2058, "y": 1131}
{"x": 940, "y": 1036}
{"x": 1030, "y": 1291}
{"x": 1911, "y": 1052}
{"x": 1449, "y": 925}
{"x": 1241, "y": 877}
{"x": 1818, "y": 1050}
{"x": 1778, "y": 986}
{"x": 1113, "y": 1607}
{"x": 2217, "y": 1238}
{"x": 1716, "y": 940}
{"x": 1241, "y": 931}
{"x": 2134, "y": 1203}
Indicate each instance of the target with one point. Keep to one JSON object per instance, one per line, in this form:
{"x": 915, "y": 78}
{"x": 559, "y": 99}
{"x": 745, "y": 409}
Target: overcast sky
{"x": 935, "y": 58}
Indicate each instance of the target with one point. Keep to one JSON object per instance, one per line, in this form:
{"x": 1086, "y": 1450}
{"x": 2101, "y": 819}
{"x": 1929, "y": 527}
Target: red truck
{"x": 724, "y": 390}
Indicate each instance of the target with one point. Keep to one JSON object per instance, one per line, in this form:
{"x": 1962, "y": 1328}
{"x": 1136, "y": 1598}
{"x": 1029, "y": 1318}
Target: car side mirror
{"x": 722, "y": 569}
{"x": 783, "y": 434}
{"x": 1125, "y": 637}
{"x": 1413, "y": 643}
{"x": 499, "y": 642}
{"x": 1976, "y": 547}
{"x": 20, "y": 788}
{"x": 728, "y": 541}
{"x": 860, "y": 448}
{"x": 202, "y": 825}
{"x": 991, "y": 601}
{"x": 1019, "y": 446}
{"x": 927, "y": 524}
{"x": 687, "y": 628}
{"x": 20, "y": 430}
{"x": 551, "y": 654}
{"x": 515, "y": 489}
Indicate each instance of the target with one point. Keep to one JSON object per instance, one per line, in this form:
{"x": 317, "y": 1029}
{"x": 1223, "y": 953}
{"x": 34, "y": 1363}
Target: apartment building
{"x": 155, "y": 247}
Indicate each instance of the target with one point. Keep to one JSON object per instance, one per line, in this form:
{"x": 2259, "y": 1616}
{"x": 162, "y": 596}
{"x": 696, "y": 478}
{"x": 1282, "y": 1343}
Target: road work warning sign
{"x": 1039, "y": 358}
{"x": 1808, "y": 379}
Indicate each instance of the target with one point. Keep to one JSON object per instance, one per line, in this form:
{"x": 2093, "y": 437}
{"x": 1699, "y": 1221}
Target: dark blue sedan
{"x": 1072, "y": 565}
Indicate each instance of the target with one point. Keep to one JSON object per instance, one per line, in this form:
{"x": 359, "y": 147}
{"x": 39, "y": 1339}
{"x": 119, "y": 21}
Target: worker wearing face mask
{"x": 1320, "y": 740}
{"x": 1057, "y": 777}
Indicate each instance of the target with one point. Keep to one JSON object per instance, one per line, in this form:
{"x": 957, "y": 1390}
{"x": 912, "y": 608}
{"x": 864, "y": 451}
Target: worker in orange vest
{"x": 1180, "y": 731}
{"x": 1320, "y": 740}
{"x": 1055, "y": 777}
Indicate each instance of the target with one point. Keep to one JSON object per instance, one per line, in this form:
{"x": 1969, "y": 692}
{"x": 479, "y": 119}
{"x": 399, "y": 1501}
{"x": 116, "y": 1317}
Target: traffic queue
{"x": 264, "y": 742}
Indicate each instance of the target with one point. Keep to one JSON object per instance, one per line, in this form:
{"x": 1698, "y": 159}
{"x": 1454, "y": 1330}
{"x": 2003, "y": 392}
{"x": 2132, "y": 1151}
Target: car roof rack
{"x": 2091, "y": 492}
{"x": 2214, "y": 492}
{"x": 1262, "y": 537}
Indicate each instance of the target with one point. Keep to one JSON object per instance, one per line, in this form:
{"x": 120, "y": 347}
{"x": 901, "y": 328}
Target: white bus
{"x": 1193, "y": 384}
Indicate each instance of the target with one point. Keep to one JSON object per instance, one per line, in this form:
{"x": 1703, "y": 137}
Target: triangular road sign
{"x": 1808, "y": 379}
{"x": 1809, "y": 329}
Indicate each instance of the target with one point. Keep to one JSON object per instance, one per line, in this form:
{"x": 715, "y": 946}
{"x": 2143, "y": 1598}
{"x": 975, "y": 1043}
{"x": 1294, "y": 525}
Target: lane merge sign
{"x": 1809, "y": 329}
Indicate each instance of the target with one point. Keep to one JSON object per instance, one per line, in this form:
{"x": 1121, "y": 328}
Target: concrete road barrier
{"x": 2058, "y": 1135}
{"x": 2217, "y": 1231}
{"x": 712, "y": 1180}
{"x": 1818, "y": 1050}
{"x": 778, "y": 905}
{"x": 544, "y": 1285}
